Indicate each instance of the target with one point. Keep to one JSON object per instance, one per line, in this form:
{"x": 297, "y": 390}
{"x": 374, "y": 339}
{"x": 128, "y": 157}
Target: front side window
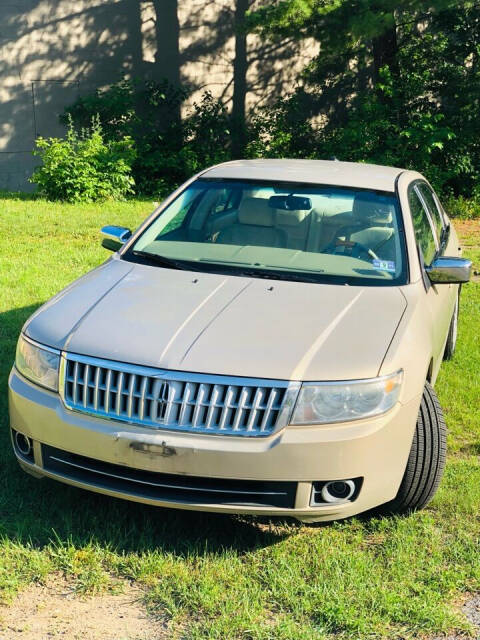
{"x": 280, "y": 230}
{"x": 423, "y": 229}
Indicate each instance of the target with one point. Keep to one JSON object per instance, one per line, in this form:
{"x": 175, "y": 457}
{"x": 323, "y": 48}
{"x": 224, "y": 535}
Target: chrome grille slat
{"x": 186, "y": 402}
{"x": 108, "y": 385}
{"x": 141, "y": 404}
{"x": 131, "y": 389}
{"x": 96, "y": 388}
{"x": 118, "y": 403}
{"x": 199, "y": 405}
{"x": 227, "y": 406}
{"x": 270, "y": 403}
{"x": 255, "y": 408}
{"x": 75, "y": 382}
{"x": 179, "y": 401}
{"x": 86, "y": 371}
{"x": 240, "y": 408}
{"x": 216, "y": 393}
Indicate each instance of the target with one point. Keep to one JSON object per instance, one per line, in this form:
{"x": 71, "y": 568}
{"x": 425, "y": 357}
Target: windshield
{"x": 279, "y": 230}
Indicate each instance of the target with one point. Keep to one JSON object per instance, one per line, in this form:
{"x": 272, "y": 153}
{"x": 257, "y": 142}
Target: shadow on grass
{"x": 39, "y": 511}
{"x": 18, "y": 195}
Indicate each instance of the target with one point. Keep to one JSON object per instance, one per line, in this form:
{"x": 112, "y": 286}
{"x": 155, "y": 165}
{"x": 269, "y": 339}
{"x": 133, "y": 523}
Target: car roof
{"x": 331, "y": 172}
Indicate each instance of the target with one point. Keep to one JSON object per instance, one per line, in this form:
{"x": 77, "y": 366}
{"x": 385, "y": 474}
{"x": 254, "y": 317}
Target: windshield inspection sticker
{"x": 384, "y": 265}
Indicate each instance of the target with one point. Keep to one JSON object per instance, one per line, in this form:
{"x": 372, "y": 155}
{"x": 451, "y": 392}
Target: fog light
{"x": 338, "y": 491}
{"x": 335, "y": 491}
{"x": 23, "y": 444}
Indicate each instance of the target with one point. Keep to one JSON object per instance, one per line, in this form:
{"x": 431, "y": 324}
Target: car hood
{"x": 222, "y": 324}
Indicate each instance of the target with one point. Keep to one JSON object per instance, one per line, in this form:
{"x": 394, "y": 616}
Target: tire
{"x": 426, "y": 461}
{"x": 452, "y": 332}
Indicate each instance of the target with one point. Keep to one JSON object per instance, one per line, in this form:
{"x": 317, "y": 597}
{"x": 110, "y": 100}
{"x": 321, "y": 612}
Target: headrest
{"x": 291, "y": 218}
{"x": 371, "y": 208}
{"x": 255, "y": 211}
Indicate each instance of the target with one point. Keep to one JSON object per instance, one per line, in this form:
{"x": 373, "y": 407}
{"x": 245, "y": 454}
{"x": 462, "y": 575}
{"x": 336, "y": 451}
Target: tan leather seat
{"x": 295, "y": 224}
{"x": 371, "y": 225}
{"x": 255, "y": 226}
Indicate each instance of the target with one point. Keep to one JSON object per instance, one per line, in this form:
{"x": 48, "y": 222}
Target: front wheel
{"x": 426, "y": 461}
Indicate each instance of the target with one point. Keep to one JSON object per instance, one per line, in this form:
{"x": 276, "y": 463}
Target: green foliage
{"x": 82, "y": 167}
{"x": 169, "y": 148}
{"x": 184, "y": 148}
{"x": 396, "y": 83}
{"x": 129, "y": 108}
{"x": 463, "y": 208}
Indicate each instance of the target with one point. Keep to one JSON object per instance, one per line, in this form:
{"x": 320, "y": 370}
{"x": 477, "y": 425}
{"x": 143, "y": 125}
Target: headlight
{"x": 38, "y": 363}
{"x": 326, "y": 402}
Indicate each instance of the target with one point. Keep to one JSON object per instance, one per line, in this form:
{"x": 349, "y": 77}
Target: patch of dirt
{"x": 53, "y": 610}
{"x": 465, "y": 227}
{"x": 471, "y": 610}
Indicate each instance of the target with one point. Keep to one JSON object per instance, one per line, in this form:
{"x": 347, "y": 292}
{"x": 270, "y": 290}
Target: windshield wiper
{"x": 169, "y": 263}
{"x": 272, "y": 275}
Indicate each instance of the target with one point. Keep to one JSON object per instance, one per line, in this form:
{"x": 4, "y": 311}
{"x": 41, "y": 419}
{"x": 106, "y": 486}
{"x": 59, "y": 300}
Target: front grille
{"x": 168, "y": 487}
{"x": 175, "y": 400}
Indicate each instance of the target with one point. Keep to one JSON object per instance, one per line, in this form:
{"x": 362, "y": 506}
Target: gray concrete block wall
{"x": 51, "y": 51}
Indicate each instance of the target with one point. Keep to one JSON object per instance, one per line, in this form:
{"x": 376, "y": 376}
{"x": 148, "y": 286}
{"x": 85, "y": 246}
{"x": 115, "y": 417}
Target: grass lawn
{"x": 214, "y": 576}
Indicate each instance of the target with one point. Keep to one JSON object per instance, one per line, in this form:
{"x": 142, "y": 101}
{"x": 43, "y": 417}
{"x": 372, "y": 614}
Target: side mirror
{"x": 114, "y": 238}
{"x": 446, "y": 270}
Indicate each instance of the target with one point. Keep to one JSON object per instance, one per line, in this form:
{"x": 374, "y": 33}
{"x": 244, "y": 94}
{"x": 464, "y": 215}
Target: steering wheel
{"x": 352, "y": 249}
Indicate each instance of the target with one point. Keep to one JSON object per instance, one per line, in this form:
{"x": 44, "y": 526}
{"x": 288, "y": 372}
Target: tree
{"x": 395, "y": 81}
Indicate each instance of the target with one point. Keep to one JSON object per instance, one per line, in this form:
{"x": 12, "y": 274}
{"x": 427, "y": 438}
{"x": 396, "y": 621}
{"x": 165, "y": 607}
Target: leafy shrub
{"x": 82, "y": 167}
{"x": 463, "y": 208}
{"x": 184, "y": 148}
{"x": 169, "y": 148}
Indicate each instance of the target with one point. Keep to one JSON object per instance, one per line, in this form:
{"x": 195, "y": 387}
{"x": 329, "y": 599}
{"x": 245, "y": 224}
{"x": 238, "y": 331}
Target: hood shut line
{"x": 302, "y": 366}
{"x": 213, "y": 319}
{"x": 189, "y": 318}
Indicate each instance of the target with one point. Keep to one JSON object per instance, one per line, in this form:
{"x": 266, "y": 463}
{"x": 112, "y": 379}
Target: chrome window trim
{"x": 292, "y": 389}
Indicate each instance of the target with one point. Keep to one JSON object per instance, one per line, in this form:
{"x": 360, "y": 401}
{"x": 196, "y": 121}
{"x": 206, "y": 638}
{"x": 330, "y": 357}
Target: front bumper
{"x": 375, "y": 450}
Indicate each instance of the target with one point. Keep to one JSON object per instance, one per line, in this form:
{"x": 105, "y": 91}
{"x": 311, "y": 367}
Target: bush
{"x": 463, "y": 208}
{"x": 82, "y": 167}
{"x": 184, "y": 148}
{"x": 169, "y": 148}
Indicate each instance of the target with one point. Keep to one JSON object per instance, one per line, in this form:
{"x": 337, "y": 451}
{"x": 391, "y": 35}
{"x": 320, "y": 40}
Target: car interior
{"x": 281, "y": 226}
{"x": 364, "y": 229}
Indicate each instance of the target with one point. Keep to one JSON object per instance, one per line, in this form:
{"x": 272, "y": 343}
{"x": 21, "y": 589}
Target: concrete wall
{"x": 51, "y": 51}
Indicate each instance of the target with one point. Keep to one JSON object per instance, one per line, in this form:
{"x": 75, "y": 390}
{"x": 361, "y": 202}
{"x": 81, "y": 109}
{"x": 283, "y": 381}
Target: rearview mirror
{"x": 114, "y": 238}
{"x": 290, "y": 203}
{"x": 446, "y": 270}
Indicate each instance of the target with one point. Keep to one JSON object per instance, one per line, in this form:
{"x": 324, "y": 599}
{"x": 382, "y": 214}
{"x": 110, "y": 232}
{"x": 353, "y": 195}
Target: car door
{"x": 446, "y": 237}
{"x": 432, "y": 239}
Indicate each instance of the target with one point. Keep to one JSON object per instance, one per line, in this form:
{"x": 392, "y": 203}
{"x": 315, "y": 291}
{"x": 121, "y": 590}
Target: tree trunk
{"x": 385, "y": 50}
{"x": 240, "y": 65}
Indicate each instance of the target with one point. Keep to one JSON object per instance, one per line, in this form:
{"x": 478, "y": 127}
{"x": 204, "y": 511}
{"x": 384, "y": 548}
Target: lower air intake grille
{"x": 168, "y": 487}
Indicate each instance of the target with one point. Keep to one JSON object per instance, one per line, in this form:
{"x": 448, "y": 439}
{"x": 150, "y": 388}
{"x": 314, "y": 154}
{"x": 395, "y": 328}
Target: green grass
{"x": 213, "y": 576}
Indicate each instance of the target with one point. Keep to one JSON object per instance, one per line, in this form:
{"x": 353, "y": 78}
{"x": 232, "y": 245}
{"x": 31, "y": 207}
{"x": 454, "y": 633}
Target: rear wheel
{"x": 452, "y": 332}
{"x": 426, "y": 461}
